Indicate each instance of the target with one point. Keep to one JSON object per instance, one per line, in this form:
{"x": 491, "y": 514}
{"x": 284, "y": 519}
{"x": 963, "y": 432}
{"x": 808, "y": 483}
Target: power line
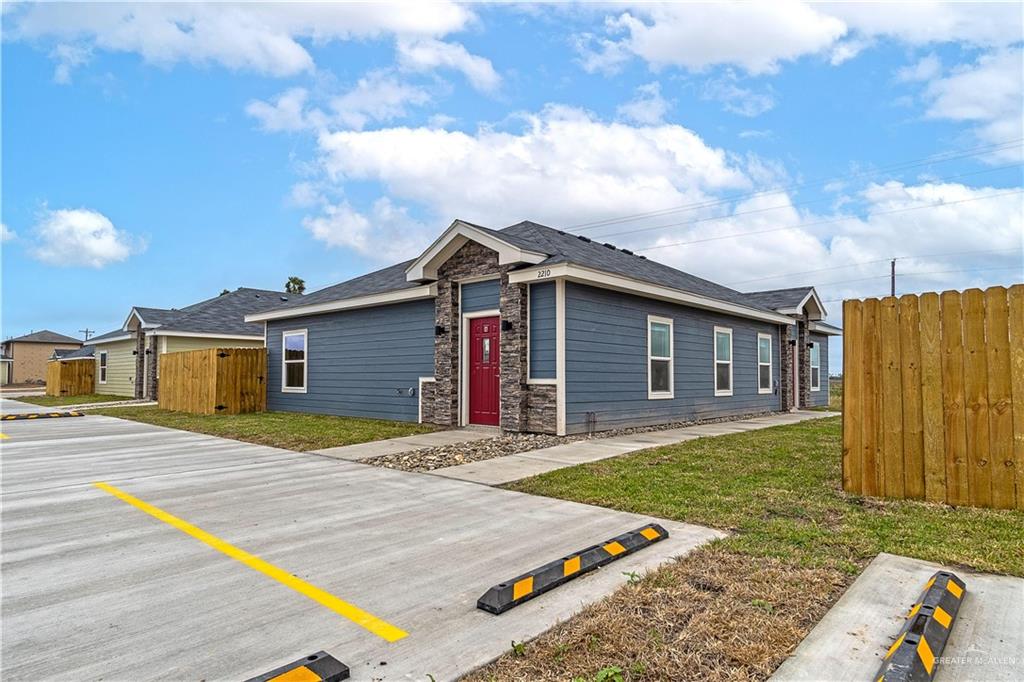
{"x": 871, "y": 262}
{"x": 941, "y": 157}
{"x": 830, "y": 221}
{"x": 913, "y": 274}
{"x": 781, "y": 206}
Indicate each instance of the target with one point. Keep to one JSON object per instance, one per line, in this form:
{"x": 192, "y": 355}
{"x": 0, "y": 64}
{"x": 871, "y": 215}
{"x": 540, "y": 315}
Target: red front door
{"x": 484, "y": 377}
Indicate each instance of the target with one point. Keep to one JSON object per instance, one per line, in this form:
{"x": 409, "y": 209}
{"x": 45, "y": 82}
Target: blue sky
{"x": 155, "y": 155}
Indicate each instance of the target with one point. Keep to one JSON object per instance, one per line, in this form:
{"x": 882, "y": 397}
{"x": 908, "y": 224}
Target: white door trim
{"x": 464, "y": 361}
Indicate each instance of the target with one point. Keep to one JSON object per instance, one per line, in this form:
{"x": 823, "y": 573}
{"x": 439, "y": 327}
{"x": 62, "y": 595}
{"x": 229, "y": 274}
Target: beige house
{"x": 26, "y": 356}
{"x": 128, "y": 359}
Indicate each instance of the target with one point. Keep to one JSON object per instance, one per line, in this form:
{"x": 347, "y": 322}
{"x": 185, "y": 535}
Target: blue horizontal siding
{"x": 606, "y": 361}
{"x": 820, "y": 397}
{"x": 359, "y": 361}
{"x": 480, "y": 296}
{"x": 542, "y": 331}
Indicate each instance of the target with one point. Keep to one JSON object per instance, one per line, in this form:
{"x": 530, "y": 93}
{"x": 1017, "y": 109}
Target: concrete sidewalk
{"x": 392, "y": 446}
{"x": 987, "y": 641}
{"x": 514, "y": 467}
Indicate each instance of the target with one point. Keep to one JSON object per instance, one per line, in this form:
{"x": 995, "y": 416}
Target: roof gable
{"x": 792, "y": 301}
{"x": 460, "y": 232}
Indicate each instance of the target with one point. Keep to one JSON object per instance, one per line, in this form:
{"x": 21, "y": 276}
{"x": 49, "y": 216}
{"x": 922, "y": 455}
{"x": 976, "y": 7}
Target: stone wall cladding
{"x": 428, "y": 397}
{"x": 475, "y": 260}
{"x": 542, "y": 408}
{"x": 786, "y": 367}
{"x": 804, "y": 358}
{"x": 140, "y": 359}
{"x": 151, "y": 359}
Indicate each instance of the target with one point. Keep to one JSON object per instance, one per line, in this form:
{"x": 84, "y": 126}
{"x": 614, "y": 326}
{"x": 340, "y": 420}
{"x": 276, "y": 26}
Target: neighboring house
{"x": 531, "y": 329}
{"x": 128, "y": 359}
{"x": 27, "y": 355}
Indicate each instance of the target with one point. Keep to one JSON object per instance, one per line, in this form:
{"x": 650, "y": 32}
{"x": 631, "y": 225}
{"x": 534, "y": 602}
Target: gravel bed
{"x": 428, "y": 459}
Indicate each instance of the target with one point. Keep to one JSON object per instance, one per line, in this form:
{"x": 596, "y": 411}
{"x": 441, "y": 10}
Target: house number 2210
{"x": 541, "y": 274}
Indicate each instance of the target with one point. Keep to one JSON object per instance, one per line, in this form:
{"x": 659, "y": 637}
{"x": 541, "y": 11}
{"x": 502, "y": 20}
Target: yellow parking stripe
{"x": 300, "y": 674}
{"x": 3, "y": 436}
{"x": 924, "y": 652}
{"x": 954, "y": 589}
{"x": 650, "y": 534}
{"x": 375, "y": 625}
{"x": 943, "y": 618}
{"x": 522, "y": 587}
{"x": 571, "y": 566}
{"x": 614, "y": 548}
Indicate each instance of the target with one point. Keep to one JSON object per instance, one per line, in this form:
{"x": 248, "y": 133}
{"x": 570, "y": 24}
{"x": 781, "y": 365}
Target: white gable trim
{"x": 112, "y": 339}
{"x": 204, "y": 335}
{"x": 799, "y": 308}
{"x": 607, "y": 280}
{"x": 453, "y": 239}
{"x": 386, "y": 298}
{"x": 824, "y": 328}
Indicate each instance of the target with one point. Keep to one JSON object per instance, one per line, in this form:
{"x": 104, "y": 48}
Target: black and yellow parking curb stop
{"x": 915, "y": 654}
{"x": 318, "y": 667}
{"x": 510, "y": 593}
{"x": 40, "y": 415}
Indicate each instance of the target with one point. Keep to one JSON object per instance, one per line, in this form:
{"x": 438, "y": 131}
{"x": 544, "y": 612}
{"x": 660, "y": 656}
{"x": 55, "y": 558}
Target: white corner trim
{"x": 419, "y": 411}
{"x": 305, "y": 361}
{"x": 732, "y": 361}
{"x": 204, "y": 335}
{"x": 452, "y": 239}
{"x": 671, "y": 393}
{"x": 578, "y": 273}
{"x": 386, "y": 298}
{"x": 560, "y": 357}
{"x": 771, "y": 364}
{"x": 464, "y": 358}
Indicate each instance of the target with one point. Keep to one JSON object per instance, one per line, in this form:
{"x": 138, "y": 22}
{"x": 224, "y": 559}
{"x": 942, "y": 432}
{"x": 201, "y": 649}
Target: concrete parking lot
{"x": 128, "y": 582}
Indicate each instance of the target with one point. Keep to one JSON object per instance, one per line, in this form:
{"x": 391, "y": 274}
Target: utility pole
{"x": 892, "y": 278}
{"x": 88, "y": 332}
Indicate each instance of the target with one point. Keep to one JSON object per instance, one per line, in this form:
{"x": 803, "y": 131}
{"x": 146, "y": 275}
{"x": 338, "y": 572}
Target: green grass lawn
{"x": 737, "y": 607}
{"x": 281, "y": 429}
{"x": 779, "y": 491}
{"x": 57, "y": 401}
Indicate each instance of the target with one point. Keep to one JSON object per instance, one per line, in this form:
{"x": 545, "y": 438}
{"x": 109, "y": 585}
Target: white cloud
{"x": 755, "y": 37}
{"x": 737, "y": 99}
{"x": 924, "y": 69}
{"x": 6, "y": 233}
{"x": 377, "y": 96}
{"x": 565, "y": 167}
{"x": 427, "y": 54}
{"x": 68, "y": 237}
{"x": 648, "y": 107}
{"x": 989, "y": 94}
{"x": 287, "y": 112}
{"x": 260, "y": 37}
{"x": 758, "y": 37}
{"x": 388, "y": 233}
{"x": 68, "y": 58}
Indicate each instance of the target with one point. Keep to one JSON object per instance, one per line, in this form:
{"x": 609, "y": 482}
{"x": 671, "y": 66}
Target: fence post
{"x": 910, "y": 377}
{"x": 1000, "y": 408}
{"x": 931, "y": 399}
{"x": 979, "y": 454}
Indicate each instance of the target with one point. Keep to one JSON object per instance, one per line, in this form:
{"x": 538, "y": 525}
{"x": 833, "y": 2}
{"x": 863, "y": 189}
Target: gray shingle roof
{"x": 108, "y": 335}
{"x": 561, "y": 247}
{"x": 77, "y": 353}
{"x": 44, "y": 336}
{"x": 226, "y": 313}
{"x": 780, "y": 298}
{"x": 157, "y": 316}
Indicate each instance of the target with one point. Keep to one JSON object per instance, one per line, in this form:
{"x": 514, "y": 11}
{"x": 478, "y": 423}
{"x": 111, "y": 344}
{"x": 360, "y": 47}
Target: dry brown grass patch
{"x": 713, "y": 615}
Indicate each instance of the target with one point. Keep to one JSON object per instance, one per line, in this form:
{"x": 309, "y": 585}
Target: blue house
{"x": 533, "y": 329}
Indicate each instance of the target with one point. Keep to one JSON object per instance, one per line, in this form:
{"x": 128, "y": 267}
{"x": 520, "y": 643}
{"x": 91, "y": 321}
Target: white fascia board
{"x": 457, "y": 234}
{"x": 386, "y": 298}
{"x": 204, "y": 335}
{"x": 607, "y": 280}
{"x": 825, "y": 328}
{"x": 817, "y": 301}
{"x": 123, "y": 337}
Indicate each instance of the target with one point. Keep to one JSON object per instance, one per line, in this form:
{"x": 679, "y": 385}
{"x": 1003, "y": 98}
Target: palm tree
{"x": 295, "y": 285}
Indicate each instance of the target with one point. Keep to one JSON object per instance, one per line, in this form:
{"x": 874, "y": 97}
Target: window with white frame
{"x": 293, "y": 358}
{"x": 764, "y": 363}
{"x": 723, "y": 361}
{"x": 103, "y": 366}
{"x": 659, "y": 358}
{"x": 815, "y": 367}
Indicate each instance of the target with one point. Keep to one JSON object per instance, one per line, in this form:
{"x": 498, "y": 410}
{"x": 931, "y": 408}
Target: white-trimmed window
{"x": 764, "y": 363}
{"x": 294, "y": 365}
{"x": 815, "y": 367}
{"x": 723, "y": 361}
{"x": 660, "y": 369}
{"x": 103, "y": 366}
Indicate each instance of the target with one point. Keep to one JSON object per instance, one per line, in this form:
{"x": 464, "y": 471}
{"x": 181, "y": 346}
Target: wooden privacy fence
{"x": 70, "y": 377}
{"x": 933, "y": 397}
{"x": 214, "y": 381}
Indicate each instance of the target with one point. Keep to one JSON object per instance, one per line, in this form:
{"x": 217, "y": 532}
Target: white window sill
{"x": 660, "y": 396}
{"x": 542, "y": 382}
{"x": 293, "y": 390}
{"x": 764, "y": 391}
{"x": 723, "y": 394}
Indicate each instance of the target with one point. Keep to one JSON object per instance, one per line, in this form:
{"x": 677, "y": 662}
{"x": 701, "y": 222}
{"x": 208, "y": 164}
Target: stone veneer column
{"x": 785, "y": 368}
{"x": 804, "y": 358}
{"x": 140, "y": 358}
{"x": 513, "y": 356}
{"x": 151, "y": 360}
